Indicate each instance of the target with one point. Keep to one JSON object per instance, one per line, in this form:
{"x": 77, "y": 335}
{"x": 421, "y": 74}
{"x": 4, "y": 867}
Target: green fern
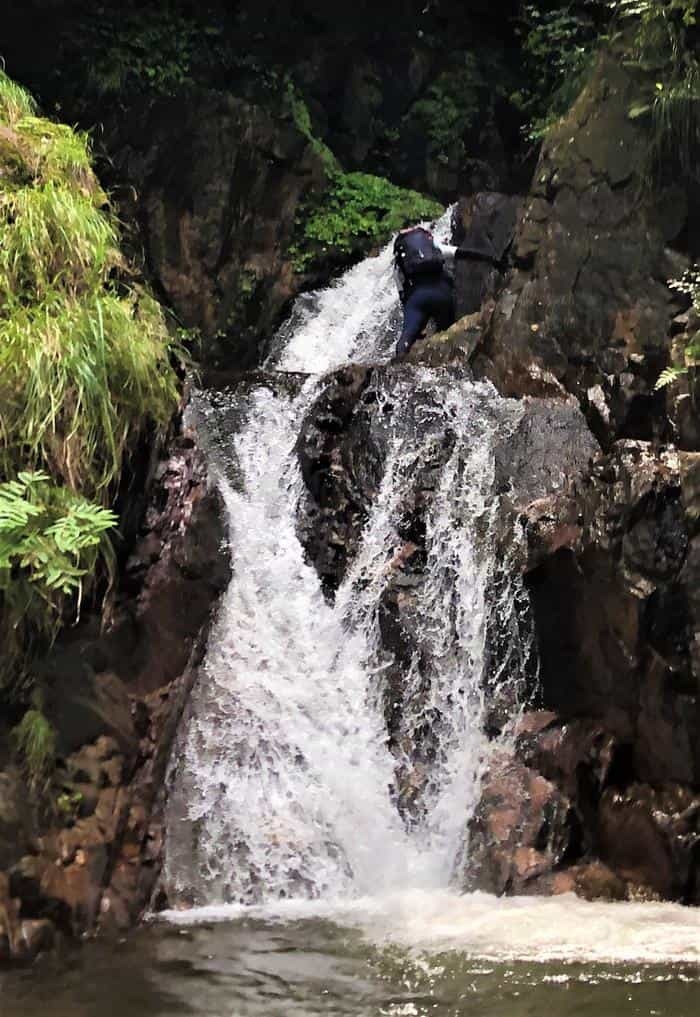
{"x": 50, "y": 540}
{"x": 689, "y": 286}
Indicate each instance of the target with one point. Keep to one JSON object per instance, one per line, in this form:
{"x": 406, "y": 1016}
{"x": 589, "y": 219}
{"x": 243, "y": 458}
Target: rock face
{"x": 587, "y": 306}
{"x": 600, "y": 792}
{"x": 558, "y": 815}
{"x": 92, "y": 859}
{"x": 614, "y": 603}
{"x": 484, "y": 229}
{"x": 617, "y": 613}
{"x": 218, "y": 182}
{"x": 344, "y": 449}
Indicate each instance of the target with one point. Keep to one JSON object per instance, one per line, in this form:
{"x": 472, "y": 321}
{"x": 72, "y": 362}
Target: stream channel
{"x": 296, "y": 883}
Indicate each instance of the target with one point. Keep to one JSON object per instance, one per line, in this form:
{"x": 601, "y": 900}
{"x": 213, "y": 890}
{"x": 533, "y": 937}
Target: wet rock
{"x": 342, "y": 467}
{"x": 483, "y": 228}
{"x": 453, "y": 346}
{"x": 101, "y": 812}
{"x": 522, "y": 830}
{"x": 588, "y": 303}
{"x": 165, "y": 602}
{"x": 577, "y": 756}
{"x": 650, "y": 837}
{"x": 551, "y": 446}
{"x": 616, "y": 614}
{"x": 550, "y": 525}
{"x": 218, "y": 182}
{"x": 592, "y": 881}
{"x": 342, "y": 450}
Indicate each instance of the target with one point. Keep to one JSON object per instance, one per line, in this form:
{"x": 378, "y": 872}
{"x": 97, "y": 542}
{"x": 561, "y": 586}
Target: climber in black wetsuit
{"x": 424, "y": 282}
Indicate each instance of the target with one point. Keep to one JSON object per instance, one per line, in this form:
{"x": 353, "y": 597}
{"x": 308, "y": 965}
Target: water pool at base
{"x": 424, "y": 955}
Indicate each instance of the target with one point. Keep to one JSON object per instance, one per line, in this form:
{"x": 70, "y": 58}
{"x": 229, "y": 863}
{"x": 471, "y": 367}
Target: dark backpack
{"x": 417, "y": 255}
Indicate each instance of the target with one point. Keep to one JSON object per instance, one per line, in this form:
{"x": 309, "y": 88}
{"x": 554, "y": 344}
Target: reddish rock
{"x": 100, "y": 857}
{"x": 523, "y": 828}
{"x": 592, "y": 881}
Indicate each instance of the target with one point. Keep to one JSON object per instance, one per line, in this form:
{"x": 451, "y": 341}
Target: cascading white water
{"x": 355, "y": 320}
{"x": 283, "y": 784}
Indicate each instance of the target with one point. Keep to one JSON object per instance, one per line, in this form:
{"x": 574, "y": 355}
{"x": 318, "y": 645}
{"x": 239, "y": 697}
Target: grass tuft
{"x": 85, "y": 369}
{"x": 15, "y": 101}
{"x": 35, "y": 742}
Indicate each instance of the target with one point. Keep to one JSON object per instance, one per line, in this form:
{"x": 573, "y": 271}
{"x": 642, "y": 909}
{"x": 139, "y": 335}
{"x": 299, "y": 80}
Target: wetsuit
{"x": 425, "y": 299}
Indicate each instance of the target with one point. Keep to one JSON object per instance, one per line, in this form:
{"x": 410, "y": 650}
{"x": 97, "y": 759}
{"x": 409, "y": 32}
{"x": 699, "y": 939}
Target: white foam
{"x": 356, "y": 319}
{"x": 487, "y": 928}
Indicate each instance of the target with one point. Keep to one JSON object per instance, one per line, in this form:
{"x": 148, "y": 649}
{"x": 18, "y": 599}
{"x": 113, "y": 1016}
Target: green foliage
{"x": 35, "y": 741}
{"x": 68, "y": 804}
{"x": 84, "y": 357}
{"x": 357, "y": 212}
{"x": 302, "y": 121}
{"x": 450, "y": 106}
{"x": 558, "y": 47}
{"x": 689, "y": 359}
{"x": 654, "y": 35}
{"x": 148, "y": 50}
{"x": 15, "y": 101}
{"x": 85, "y": 368}
{"x": 49, "y": 539}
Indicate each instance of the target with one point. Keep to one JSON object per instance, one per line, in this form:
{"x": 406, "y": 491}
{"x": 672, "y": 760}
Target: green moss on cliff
{"x": 84, "y": 369}
{"x": 357, "y": 212}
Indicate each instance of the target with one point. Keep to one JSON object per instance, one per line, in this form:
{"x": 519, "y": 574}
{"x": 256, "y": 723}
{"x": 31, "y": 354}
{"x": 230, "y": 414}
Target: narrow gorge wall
{"x": 115, "y": 699}
{"x": 609, "y": 768}
{"x": 600, "y": 476}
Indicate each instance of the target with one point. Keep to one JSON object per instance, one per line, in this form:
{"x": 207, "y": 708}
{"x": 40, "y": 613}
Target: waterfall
{"x": 284, "y": 782}
{"x": 355, "y": 320}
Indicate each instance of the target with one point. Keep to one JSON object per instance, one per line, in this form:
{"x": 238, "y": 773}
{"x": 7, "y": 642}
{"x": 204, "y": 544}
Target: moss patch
{"x": 357, "y": 212}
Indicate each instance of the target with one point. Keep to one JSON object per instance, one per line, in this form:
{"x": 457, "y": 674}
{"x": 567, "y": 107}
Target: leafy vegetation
{"x": 50, "y": 540}
{"x": 143, "y": 49}
{"x": 558, "y": 44}
{"x": 35, "y": 741}
{"x": 450, "y": 106}
{"x": 68, "y": 804}
{"x": 656, "y": 40}
{"x": 357, "y": 212}
{"x": 302, "y": 121}
{"x": 689, "y": 359}
{"x": 85, "y": 367}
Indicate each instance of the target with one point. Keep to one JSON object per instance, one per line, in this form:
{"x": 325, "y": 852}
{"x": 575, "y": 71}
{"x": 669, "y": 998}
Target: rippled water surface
{"x": 252, "y": 966}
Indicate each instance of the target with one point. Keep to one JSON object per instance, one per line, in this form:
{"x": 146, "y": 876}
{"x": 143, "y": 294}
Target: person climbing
{"x": 422, "y": 269}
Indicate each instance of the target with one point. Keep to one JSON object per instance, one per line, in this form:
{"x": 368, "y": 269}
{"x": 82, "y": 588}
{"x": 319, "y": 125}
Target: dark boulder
{"x": 588, "y": 303}
{"x": 217, "y": 184}
{"x": 651, "y": 838}
{"x": 616, "y": 612}
{"x": 483, "y": 229}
